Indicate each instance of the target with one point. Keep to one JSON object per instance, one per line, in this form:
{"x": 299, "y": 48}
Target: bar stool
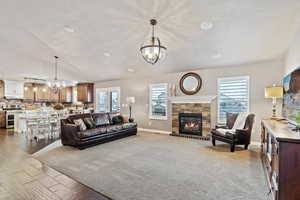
{"x": 54, "y": 125}
{"x": 31, "y": 128}
{"x": 44, "y": 127}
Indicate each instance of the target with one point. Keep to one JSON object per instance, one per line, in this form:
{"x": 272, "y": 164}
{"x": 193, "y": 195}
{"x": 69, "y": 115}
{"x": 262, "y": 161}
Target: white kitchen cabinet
{"x": 13, "y": 89}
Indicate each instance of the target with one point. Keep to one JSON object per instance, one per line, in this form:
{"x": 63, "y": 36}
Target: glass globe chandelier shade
{"x": 152, "y": 50}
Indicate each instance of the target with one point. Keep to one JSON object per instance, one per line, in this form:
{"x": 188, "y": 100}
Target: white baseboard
{"x": 154, "y": 131}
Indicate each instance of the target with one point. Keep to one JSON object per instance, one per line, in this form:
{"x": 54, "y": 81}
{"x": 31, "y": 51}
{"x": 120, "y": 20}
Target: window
{"x": 108, "y": 99}
{"x": 101, "y": 105}
{"x": 74, "y": 96}
{"x": 158, "y": 102}
{"x": 114, "y": 101}
{"x": 233, "y": 96}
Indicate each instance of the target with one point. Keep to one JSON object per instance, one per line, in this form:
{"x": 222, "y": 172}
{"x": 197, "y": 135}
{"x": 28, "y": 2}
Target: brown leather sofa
{"x": 106, "y": 130}
{"x": 241, "y": 137}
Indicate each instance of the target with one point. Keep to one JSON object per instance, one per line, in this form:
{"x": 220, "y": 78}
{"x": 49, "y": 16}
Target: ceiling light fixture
{"x": 69, "y": 29}
{"x": 55, "y": 85}
{"x": 206, "y": 26}
{"x": 130, "y": 70}
{"x": 152, "y": 51}
{"x": 218, "y": 55}
{"x": 107, "y": 54}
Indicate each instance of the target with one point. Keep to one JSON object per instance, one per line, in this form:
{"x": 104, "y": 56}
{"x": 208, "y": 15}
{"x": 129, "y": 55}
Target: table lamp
{"x": 274, "y": 92}
{"x": 130, "y": 101}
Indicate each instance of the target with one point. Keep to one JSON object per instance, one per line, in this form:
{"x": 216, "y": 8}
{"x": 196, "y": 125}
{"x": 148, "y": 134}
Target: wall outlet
{"x": 149, "y": 123}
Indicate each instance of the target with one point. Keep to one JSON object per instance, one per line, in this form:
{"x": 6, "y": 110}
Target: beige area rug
{"x": 161, "y": 167}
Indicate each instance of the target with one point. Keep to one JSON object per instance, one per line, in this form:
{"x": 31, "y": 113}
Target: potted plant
{"x": 297, "y": 119}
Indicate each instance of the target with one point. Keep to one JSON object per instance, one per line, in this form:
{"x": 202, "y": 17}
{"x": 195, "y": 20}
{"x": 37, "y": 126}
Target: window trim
{"x": 232, "y": 78}
{"x": 156, "y": 117}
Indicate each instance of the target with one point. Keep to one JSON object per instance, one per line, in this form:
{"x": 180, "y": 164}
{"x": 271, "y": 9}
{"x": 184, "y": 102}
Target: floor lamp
{"x": 130, "y": 101}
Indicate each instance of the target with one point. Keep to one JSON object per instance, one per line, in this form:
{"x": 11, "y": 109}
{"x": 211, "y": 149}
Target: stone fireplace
{"x": 197, "y": 114}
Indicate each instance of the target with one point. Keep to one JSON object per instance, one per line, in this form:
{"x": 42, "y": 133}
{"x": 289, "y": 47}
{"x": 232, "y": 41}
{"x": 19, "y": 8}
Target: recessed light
{"x": 106, "y": 54}
{"x": 218, "y": 55}
{"x": 206, "y": 26}
{"x": 130, "y": 70}
{"x": 69, "y": 29}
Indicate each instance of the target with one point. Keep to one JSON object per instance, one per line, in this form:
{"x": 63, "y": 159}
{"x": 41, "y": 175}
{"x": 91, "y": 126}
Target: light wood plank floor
{"x": 25, "y": 178}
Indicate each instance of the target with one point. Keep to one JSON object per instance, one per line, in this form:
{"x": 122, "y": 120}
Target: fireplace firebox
{"x": 190, "y": 123}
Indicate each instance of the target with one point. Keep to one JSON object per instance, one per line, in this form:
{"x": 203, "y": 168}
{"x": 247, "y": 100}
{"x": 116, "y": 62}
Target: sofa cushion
{"x": 101, "y": 119}
{"x": 80, "y": 123}
{"x": 118, "y": 119}
{"x": 92, "y": 132}
{"x": 220, "y": 134}
{"x": 89, "y": 122}
{"x": 129, "y": 125}
{"x": 114, "y": 128}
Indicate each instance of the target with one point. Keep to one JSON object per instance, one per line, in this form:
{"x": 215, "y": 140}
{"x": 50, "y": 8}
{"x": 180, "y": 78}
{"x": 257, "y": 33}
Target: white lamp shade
{"x": 130, "y": 100}
{"x": 273, "y": 92}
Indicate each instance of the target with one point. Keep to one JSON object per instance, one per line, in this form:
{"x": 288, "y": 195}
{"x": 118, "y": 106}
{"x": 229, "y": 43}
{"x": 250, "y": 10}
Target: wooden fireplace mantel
{"x": 192, "y": 99}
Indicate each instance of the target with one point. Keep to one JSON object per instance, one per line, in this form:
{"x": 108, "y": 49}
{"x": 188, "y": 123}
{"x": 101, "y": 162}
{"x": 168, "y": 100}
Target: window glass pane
{"x": 158, "y": 100}
{"x": 101, "y": 104}
{"x": 233, "y": 96}
{"x": 114, "y": 101}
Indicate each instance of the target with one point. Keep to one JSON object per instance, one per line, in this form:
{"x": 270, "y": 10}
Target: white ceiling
{"x": 32, "y": 32}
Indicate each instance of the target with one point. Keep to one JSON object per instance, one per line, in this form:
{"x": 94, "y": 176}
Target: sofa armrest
{"x": 222, "y": 126}
{"x": 243, "y": 135}
{"x": 241, "y": 131}
{"x": 69, "y": 133}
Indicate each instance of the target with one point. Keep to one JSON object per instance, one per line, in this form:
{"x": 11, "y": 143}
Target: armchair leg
{"x": 232, "y": 148}
{"x": 246, "y": 146}
{"x": 213, "y": 140}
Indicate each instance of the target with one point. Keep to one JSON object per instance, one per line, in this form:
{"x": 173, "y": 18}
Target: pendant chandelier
{"x": 55, "y": 85}
{"x": 152, "y": 50}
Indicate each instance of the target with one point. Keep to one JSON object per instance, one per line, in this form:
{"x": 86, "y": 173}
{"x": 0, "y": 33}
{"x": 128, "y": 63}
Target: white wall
{"x": 261, "y": 75}
{"x": 292, "y": 59}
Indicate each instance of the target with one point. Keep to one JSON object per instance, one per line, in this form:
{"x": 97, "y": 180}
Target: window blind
{"x": 158, "y": 101}
{"x": 233, "y": 96}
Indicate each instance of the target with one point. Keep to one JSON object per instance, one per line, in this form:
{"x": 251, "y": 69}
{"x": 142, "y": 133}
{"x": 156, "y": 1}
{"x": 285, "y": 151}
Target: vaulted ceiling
{"x": 82, "y": 32}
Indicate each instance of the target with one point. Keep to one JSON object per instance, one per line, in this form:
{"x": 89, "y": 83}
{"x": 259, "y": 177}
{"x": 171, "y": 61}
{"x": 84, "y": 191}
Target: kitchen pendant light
{"x": 55, "y": 85}
{"x": 153, "y": 51}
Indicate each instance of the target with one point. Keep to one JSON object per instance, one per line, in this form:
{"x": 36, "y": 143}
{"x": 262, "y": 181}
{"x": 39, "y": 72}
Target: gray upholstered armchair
{"x": 240, "y": 137}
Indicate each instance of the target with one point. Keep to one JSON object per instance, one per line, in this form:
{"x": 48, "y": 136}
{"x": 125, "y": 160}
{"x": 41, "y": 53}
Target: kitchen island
{"x": 22, "y": 118}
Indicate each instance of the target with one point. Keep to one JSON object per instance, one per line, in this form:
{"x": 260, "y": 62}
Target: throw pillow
{"x": 126, "y": 119}
{"x": 89, "y": 122}
{"x": 117, "y": 119}
{"x": 80, "y": 123}
{"x": 70, "y": 121}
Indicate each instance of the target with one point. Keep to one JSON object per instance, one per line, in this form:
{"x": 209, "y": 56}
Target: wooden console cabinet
{"x": 281, "y": 159}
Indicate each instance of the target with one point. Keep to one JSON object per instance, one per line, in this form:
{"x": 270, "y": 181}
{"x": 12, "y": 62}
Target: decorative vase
{"x": 172, "y": 90}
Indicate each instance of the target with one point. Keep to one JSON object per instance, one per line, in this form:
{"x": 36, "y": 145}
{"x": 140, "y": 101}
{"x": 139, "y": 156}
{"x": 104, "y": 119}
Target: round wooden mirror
{"x": 190, "y": 83}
